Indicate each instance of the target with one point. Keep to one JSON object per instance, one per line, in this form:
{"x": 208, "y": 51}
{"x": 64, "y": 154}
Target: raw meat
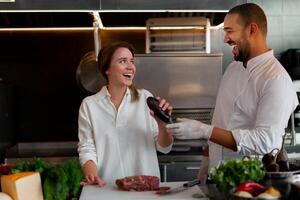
{"x": 138, "y": 183}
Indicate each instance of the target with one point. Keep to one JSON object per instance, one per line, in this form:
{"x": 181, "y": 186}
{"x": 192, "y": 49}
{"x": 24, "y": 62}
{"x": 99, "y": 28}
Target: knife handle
{"x": 192, "y": 183}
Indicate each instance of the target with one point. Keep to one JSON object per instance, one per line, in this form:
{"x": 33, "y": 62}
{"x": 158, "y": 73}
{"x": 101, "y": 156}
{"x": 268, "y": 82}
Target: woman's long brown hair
{"x": 104, "y": 60}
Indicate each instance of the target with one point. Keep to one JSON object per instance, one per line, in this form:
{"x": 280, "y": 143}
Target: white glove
{"x": 203, "y": 171}
{"x": 189, "y": 129}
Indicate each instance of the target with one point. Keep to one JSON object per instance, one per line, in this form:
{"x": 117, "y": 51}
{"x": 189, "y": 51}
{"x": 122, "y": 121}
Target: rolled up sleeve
{"x": 277, "y": 102}
{"x": 164, "y": 150}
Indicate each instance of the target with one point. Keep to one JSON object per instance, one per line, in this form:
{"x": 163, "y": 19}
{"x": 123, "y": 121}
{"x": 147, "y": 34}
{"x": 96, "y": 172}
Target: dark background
{"x": 41, "y": 66}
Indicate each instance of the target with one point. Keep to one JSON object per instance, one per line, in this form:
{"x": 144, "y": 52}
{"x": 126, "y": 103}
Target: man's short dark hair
{"x": 250, "y": 12}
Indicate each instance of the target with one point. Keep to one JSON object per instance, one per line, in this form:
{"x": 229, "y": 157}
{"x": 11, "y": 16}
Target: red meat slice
{"x": 138, "y": 183}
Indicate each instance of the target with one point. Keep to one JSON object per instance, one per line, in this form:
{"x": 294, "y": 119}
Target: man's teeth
{"x": 232, "y": 47}
{"x": 127, "y": 75}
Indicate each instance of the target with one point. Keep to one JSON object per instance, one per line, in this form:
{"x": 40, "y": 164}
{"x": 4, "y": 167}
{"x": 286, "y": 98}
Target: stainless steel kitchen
{"x": 48, "y": 67}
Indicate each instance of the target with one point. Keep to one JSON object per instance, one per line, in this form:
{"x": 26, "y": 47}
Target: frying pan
{"x": 88, "y": 76}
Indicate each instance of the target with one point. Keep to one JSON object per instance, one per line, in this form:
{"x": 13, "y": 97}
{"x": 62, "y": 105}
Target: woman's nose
{"x": 130, "y": 65}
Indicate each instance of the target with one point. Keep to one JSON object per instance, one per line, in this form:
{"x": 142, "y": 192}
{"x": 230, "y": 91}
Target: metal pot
{"x": 88, "y": 76}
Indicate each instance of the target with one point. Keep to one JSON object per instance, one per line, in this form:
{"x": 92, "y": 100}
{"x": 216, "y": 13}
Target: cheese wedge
{"x": 23, "y": 186}
{"x": 4, "y": 196}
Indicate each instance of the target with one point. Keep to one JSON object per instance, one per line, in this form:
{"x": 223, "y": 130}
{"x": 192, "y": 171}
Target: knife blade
{"x": 181, "y": 188}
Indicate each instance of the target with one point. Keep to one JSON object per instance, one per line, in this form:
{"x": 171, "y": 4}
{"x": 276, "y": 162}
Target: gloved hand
{"x": 189, "y": 129}
{"x": 203, "y": 171}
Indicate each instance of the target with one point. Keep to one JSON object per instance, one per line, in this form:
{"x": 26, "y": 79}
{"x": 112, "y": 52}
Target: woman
{"x": 117, "y": 135}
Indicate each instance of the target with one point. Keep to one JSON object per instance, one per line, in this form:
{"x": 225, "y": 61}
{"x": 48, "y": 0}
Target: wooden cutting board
{"x": 111, "y": 192}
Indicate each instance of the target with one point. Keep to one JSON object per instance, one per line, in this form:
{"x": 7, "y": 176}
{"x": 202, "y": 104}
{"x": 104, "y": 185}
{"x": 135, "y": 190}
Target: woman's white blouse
{"x": 121, "y": 143}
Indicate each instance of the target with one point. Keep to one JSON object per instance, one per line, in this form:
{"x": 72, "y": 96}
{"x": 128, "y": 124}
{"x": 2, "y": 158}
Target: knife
{"x": 181, "y": 188}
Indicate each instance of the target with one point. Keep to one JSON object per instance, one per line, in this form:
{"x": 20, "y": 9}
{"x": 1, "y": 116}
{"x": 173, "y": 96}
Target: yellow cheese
{"x": 4, "y": 196}
{"x": 23, "y": 186}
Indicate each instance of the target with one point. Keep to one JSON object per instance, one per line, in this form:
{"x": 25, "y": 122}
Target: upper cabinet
{"x": 119, "y": 4}
{"x": 169, "y": 4}
{"x": 50, "y": 5}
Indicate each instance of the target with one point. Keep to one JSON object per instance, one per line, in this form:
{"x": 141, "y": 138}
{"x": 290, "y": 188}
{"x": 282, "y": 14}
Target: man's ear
{"x": 253, "y": 28}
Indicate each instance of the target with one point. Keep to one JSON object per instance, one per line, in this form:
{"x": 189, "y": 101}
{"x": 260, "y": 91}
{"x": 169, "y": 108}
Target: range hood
{"x": 113, "y": 13}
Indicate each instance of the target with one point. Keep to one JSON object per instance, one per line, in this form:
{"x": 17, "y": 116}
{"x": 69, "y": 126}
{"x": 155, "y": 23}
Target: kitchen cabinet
{"x": 169, "y": 5}
{"x": 7, "y": 136}
{"x": 179, "y": 171}
{"x": 51, "y": 5}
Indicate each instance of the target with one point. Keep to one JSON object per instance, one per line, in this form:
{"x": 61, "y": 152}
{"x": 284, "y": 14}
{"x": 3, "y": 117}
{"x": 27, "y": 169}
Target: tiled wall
{"x": 283, "y": 26}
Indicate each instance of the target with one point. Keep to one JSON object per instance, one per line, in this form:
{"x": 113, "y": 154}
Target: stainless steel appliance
{"x": 189, "y": 81}
{"x": 179, "y": 34}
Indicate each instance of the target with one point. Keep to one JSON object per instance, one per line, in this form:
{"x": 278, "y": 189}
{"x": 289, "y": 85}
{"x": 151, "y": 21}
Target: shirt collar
{"x": 104, "y": 93}
{"x": 253, "y": 62}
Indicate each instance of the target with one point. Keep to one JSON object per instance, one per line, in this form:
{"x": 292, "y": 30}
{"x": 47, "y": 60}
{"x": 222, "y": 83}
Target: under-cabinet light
{"x": 175, "y": 27}
{"x": 124, "y": 28}
{"x": 48, "y": 29}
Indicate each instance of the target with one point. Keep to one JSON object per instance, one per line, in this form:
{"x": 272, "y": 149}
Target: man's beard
{"x": 243, "y": 54}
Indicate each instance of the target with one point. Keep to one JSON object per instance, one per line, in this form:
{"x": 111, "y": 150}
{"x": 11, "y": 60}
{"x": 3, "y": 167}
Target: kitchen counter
{"x": 111, "y": 192}
{"x": 50, "y": 151}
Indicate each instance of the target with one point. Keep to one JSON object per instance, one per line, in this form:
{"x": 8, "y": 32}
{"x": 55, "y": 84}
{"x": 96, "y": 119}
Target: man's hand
{"x": 189, "y": 129}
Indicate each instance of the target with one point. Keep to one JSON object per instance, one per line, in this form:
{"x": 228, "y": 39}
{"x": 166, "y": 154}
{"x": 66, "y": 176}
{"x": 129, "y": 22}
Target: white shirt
{"x": 255, "y": 103}
{"x": 121, "y": 143}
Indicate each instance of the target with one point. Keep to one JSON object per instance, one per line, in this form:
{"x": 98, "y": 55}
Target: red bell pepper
{"x": 251, "y": 187}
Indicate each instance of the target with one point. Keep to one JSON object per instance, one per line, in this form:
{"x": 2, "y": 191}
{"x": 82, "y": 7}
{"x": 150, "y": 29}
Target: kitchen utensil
{"x": 153, "y": 104}
{"x": 181, "y": 188}
{"x": 88, "y": 75}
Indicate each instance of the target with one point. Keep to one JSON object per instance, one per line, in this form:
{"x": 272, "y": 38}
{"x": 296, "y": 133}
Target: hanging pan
{"x": 88, "y": 75}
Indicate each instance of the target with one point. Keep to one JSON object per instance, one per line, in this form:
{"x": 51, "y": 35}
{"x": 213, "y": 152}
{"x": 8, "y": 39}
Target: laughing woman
{"x": 118, "y": 137}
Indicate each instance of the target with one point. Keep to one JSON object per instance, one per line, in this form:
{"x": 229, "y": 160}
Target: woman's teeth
{"x": 127, "y": 75}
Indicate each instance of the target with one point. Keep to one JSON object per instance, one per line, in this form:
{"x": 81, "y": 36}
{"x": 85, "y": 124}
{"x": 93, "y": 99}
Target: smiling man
{"x": 255, "y": 97}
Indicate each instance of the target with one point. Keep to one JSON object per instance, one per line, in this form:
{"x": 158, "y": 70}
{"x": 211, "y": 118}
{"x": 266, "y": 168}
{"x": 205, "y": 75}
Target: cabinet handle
{"x": 192, "y": 168}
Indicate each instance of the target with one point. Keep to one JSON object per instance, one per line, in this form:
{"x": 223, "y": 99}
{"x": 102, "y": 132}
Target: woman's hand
{"x": 164, "y": 139}
{"x": 165, "y": 106}
{"x": 91, "y": 177}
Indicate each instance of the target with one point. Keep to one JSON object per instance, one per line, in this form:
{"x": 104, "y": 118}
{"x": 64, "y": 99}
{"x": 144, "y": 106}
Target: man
{"x": 255, "y": 97}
